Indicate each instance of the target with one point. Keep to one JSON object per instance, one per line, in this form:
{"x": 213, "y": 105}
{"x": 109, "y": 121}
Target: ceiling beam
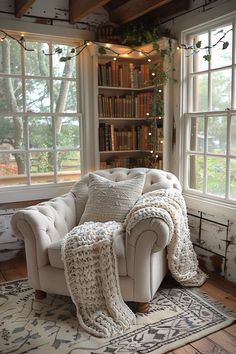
{"x": 133, "y": 9}
{"x": 21, "y": 6}
{"x": 80, "y": 9}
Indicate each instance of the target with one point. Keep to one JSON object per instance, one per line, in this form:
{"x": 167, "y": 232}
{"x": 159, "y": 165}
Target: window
{"x": 39, "y": 115}
{"x": 210, "y": 115}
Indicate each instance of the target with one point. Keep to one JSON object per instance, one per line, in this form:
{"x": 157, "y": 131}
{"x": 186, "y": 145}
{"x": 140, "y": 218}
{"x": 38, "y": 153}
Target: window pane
{"x": 37, "y": 95}
{"x": 221, "y": 90}
{"x": 216, "y": 175}
{"x": 233, "y": 135}
{"x": 64, "y": 94}
{"x": 196, "y": 172}
{"x": 200, "y": 93}
{"x": 233, "y": 178}
{"x": 68, "y": 163}
{"x": 63, "y": 68}
{"x": 41, "y": 167}
{"x": 198, "y": 62}
{"x": 68, "y": 133}
{"x": 40, "y": 132}
{"x": 11, "y": 95}
{"x": 217, "y": 135}
{"x": 221, "y": 57}
{"x": 197, "y": 134}
{"x": 11, "y": 133}
{"x": 37, "y": 63}
{"x": 10, "y": 57}
{"x": 12, "y": 169}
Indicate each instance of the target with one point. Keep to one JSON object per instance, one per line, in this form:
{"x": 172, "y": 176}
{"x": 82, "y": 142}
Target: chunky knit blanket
{"x": 91, "y": 266}
{"x": 169, "y": 205}
{"x": 92, "y": 278}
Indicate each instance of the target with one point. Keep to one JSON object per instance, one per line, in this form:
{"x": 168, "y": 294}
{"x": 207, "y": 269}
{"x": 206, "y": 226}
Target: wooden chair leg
{"x": 142, "y": 307}
{"x": 40, "y": 295}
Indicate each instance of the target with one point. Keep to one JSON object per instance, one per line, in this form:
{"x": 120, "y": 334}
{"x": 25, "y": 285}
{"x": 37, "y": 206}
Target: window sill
{"x": 205, "y": 204}
{"x": 25, "y": 193}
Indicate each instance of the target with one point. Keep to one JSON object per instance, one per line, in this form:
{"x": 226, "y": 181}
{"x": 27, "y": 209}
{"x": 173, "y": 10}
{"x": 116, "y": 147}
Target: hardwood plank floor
{"x": 221, "y": 342}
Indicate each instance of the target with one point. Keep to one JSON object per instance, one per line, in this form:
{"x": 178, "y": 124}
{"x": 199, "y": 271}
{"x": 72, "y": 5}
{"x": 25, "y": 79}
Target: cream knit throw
{"x": 92, "y": 278}
{"x": 169, "y": 205}
{"x": 91, "y": 268}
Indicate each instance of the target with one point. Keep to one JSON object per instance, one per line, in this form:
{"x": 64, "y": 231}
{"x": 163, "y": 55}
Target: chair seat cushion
{"x": 55, "y": 259}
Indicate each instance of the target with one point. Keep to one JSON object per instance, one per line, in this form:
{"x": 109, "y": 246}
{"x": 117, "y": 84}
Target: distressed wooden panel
{"x": 230, "y": 272}
{"x": 194, "y": 225}
{"x": 213, "y": 237}
{"x": 216, "y": 218}
{"x": 193, "y": 212}
{"x": 210, "y": 261}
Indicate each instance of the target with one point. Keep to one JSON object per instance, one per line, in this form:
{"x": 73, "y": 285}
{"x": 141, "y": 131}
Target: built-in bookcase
{"x": 126, "y": 127}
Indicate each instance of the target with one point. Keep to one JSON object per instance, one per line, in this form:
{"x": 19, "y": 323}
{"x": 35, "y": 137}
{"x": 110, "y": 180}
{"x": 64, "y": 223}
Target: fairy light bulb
{"x": 126, "y": 54}
{"x": 151, "y": 151}
{"x": 108, "y": 45}
{"x": 161, "y": 141}
{"x": 149, "y": 133}
{"x": 115, "y": 58}
{"x": 153, "y": 74}
{"x": 156, "y": 156}
{"x": 147, "y": 114}
{"x": 1, "y": 39}
{"x": 140, "y": 53}
{"x": 178, "y": 47}
{"x": 160, "y": 90}
{"x": 149, "y": 60}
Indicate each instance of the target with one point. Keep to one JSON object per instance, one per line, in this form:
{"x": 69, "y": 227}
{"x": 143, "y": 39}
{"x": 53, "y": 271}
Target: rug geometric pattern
{"x": 177, "y": 316}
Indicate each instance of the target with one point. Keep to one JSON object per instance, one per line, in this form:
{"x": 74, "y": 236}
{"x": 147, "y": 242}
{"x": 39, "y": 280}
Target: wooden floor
{"x": 221, "y": 342}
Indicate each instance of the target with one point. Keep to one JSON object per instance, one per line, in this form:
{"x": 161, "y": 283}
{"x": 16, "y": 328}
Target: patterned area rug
{"x": 177, "y": 316}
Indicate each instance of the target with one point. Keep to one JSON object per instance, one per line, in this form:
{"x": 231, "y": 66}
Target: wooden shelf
{"x": 123, "y": 151}
{"x": 116, "y": 88}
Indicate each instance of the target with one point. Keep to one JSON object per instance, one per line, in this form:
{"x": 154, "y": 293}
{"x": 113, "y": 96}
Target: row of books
{"x": 135, "y": 137}
{"x": 120, "y": 74}
{"x": 125, "y": 106}
{"x": 130, "y": 162}
{"x": 131, "y": 138}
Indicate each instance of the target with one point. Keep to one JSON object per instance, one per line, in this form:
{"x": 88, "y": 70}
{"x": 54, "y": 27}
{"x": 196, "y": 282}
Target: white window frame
{"x": 186, "y": 115}
{"x": 44, "y": 191}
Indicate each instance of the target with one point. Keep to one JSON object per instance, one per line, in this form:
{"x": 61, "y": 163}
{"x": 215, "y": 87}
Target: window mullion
{"x": 227, "y": 187}
{"x": 205, "y": 156}
{"x": 233, "y": 83}
{"x": 25, "y": 118}
{"x": 209, "y": 78}
{"x": 53, "y": 115}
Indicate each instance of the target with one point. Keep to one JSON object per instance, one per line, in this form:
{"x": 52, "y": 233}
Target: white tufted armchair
{"x": 42, "y": 227}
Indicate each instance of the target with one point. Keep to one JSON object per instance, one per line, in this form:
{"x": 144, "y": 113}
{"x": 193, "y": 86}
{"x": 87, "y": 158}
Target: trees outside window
{"x": 39, "y": 115}
{"x": 210, "y": 118}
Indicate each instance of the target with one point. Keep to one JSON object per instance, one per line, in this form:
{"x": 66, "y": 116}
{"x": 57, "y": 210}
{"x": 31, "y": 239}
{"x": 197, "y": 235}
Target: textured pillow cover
{"x": 109, "y": 200}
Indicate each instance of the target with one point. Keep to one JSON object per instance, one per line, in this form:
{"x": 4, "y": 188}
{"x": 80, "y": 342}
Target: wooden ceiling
{"x": 120, "y": 11}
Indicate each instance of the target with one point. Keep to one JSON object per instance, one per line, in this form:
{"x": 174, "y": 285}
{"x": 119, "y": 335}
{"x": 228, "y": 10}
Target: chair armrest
{"x": 147, "y": 236}
{"x": 39, "y": 226}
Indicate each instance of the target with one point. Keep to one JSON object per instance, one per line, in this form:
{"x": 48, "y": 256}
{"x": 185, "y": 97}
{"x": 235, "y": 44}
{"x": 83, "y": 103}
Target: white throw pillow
{"x": 109, "y": 200}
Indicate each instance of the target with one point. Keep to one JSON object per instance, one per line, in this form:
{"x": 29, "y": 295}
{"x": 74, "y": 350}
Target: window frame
{"x": 29, "y": 191}
{"x": 186, "y": 113}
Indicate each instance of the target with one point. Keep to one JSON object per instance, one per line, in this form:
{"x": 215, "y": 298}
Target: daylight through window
{"x": 39, "y": 119}
{"x": 210, "y": 121}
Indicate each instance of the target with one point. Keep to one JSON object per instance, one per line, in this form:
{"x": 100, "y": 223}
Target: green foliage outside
{"x": 37, "y": 96}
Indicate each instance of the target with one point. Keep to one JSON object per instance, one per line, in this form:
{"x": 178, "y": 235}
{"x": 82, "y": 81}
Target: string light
{"x": 160, "y": 90}
{"x": 147, "y": 114}
{"x": 149, "y": 133}
{"x": 149, "y": 60}
{"x": 114, "y": 58}
{"x": 153, "y": 74}
{"x": 151, "y": 151}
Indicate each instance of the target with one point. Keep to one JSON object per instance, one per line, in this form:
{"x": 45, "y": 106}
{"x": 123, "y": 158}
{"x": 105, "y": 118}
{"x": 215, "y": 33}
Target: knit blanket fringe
{"x": 91, "y": 265}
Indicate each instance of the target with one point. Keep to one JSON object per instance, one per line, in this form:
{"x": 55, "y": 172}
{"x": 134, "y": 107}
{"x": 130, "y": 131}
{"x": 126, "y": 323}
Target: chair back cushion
{"x": 154, "y": 179}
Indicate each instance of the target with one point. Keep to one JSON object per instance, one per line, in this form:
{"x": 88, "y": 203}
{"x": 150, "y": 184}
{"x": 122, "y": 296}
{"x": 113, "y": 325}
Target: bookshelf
{"x": 126, "y": 128}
